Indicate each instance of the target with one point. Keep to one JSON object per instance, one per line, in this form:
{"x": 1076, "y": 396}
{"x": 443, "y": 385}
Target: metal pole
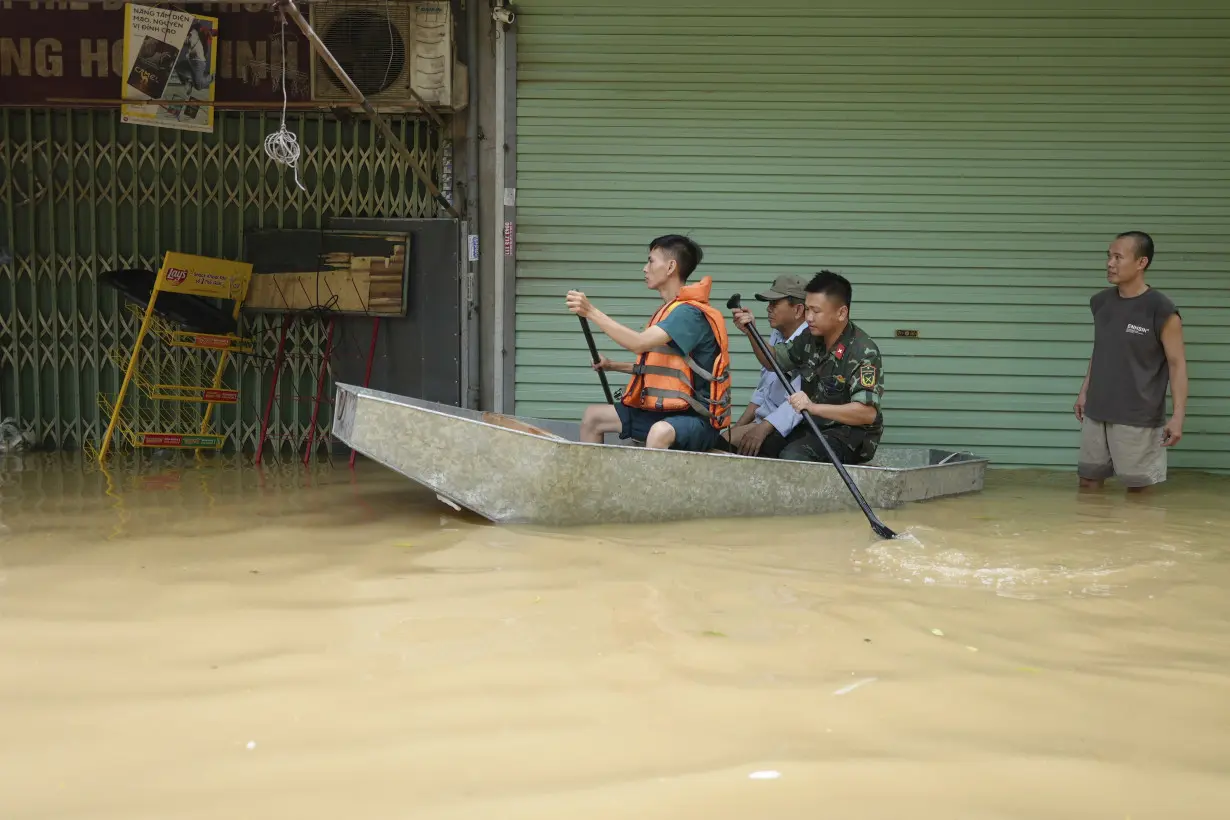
{"x": 471, "y": 346}
{"x": 112, "y": 102}
{"x": 131, "y": 370}
{"x": 497, "y": 303}
{"x": 367, "y": 374}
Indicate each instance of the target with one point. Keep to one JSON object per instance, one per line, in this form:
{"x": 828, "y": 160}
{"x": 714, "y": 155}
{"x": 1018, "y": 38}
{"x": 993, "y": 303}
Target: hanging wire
{"x": 282, "y": 146}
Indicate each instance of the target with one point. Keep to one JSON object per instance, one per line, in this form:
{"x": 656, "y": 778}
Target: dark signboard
{"x": 66, "y": 49}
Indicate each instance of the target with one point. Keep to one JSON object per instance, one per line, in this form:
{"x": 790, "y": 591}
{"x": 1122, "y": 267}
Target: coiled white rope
{"x": 282, "y": 145}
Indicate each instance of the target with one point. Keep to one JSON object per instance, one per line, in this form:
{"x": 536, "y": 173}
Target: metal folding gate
{"x": 82, "y": 193}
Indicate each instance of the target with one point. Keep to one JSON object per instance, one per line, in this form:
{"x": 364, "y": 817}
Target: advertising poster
{"x": 169, "y": 56}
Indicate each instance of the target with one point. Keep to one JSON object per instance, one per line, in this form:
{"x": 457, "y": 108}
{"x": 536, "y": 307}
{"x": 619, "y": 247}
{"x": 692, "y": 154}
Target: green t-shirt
{"x": 851, "y": 372}
{"x": 692, "y": 336}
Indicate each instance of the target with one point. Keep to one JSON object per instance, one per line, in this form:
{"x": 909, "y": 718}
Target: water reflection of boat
{"x": 532, "y": 471}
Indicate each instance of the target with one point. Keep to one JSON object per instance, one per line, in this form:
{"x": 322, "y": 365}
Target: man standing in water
{"x": 769, "y": 418}
{"x": 679, "y": 393}
{"x": 842, "y": 376}
{"x": 1137, "y": 345}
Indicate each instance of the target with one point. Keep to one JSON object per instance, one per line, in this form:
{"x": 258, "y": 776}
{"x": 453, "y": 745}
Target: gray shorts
{"x": 1133, "y": 454}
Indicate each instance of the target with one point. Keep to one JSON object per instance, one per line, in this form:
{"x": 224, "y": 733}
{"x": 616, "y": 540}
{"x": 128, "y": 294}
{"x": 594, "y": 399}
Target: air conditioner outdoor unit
{"x": 387, "y": 47}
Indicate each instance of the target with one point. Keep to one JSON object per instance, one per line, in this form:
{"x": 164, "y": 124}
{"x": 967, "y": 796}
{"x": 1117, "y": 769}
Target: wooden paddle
{"x": 878, "y": 526}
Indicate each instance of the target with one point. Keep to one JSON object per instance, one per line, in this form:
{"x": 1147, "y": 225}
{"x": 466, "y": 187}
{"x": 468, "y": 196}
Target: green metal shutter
{"x": 82, "y": 193}
{"x": 965, "y": 170}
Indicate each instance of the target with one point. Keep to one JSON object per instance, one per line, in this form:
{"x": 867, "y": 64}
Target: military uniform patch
{"x": 867, "y": 376}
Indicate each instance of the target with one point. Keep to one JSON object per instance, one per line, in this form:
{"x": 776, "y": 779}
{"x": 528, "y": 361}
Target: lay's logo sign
{"x": 176, "y": 275}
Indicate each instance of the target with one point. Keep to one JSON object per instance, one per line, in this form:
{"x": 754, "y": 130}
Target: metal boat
{"x": 517, "y": 470}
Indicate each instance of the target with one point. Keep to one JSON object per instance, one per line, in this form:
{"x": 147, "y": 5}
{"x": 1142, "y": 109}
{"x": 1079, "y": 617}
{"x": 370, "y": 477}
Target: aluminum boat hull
{"x": 515, "y": 470}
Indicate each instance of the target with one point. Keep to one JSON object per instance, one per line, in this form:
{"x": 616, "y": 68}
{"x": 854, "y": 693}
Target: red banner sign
{"x": 71, "y": 49}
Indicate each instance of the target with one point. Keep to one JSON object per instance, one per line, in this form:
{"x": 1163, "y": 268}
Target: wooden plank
{"x": 341, "y": 290}
{"x": 347, "y": 291}
{"x": 509, "y": 423}
{"x": 346, "y": 271}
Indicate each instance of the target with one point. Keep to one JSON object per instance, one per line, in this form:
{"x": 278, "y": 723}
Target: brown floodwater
{"x": 217, "y": 641}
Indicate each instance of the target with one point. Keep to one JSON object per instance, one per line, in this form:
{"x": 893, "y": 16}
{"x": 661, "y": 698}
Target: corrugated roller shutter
{"x": 965, "y": 165}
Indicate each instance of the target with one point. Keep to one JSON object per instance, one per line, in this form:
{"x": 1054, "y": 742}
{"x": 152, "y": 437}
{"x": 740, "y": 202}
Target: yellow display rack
{"x": 180, "y": 378}
{"x": 164, "y": 427}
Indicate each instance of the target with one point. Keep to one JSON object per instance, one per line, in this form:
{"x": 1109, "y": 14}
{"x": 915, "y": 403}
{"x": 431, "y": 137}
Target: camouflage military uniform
{"x": 851, "y": 372}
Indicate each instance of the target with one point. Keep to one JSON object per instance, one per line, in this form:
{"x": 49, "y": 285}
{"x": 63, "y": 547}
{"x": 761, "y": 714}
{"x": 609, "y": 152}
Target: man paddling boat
{"x": 678, "y": 394}
{"x": 842, "y": 376}
{"x": 769, "y": 418}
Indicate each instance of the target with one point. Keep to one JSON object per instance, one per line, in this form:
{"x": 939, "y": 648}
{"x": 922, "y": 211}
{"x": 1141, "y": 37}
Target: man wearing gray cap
{"x": 769, "y": 418}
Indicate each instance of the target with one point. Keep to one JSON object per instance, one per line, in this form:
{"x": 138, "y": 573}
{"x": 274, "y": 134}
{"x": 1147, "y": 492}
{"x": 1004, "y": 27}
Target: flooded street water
{"x": 209, "y": 642}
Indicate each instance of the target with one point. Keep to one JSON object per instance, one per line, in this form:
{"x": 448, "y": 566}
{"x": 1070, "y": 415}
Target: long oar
{"x": 876, "y": 524}
{"x": 593, "y": 352}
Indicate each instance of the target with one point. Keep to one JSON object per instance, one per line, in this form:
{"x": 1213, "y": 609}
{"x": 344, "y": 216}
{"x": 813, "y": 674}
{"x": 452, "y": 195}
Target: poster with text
{"x": 169, "y": 56}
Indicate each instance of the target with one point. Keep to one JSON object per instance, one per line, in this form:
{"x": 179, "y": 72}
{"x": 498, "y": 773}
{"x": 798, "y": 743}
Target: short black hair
{"x": 683, "y": 250}
{"x": 832, "y": 285}
{"x": 1144, "y": 244}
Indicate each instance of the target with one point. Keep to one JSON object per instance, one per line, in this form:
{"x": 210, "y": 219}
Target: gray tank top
{"x": 1129, "y": 376}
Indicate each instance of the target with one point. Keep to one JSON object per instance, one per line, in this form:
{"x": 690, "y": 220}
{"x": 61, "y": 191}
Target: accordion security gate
{"x": 81, "y": 193}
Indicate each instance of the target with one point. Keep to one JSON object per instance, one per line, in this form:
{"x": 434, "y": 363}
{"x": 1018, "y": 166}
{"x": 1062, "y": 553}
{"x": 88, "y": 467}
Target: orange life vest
{"x": 662, "y": 380}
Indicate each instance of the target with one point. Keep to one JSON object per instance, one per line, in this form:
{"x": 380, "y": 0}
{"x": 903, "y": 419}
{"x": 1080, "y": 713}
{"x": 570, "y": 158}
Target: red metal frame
{"x": 277, "y": 369}
{"x": 320, "y": 386}
{"x": 280, "y": 360}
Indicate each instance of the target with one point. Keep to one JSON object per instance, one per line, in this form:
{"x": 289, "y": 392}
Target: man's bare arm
{"x": 636, "y": 341}
{"x": 764, "y": 360}
{"x": 749, "y": 415}
{"x": 1176, "y": 359}
{"x": 743, "y": 321}
{"x": 1083, "y": 395}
